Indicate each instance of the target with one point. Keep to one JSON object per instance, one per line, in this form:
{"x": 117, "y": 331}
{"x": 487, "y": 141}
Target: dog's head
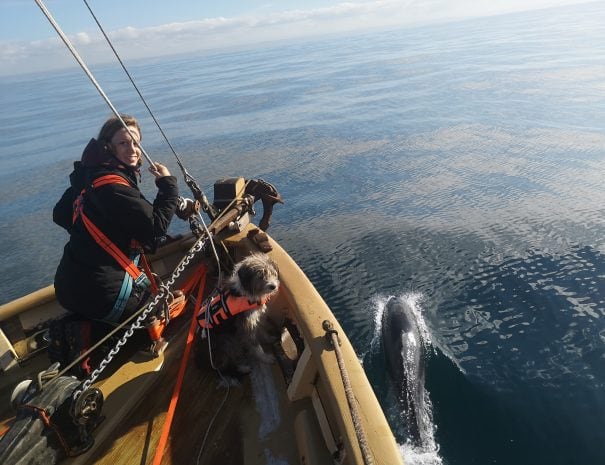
{"x": 255, "y": 277}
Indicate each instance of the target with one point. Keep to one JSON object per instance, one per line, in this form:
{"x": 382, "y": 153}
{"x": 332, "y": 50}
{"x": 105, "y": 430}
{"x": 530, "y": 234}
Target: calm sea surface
{"x": 461, "y": 164}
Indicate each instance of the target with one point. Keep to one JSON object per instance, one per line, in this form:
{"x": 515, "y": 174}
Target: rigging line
{"x": 178, "y": 160}
{"x": 75, "y": 54}
{"x": 191, "y": 182}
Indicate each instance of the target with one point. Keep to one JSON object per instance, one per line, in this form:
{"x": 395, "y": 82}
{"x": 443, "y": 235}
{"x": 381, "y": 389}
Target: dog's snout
{"x": 271, "y": 286}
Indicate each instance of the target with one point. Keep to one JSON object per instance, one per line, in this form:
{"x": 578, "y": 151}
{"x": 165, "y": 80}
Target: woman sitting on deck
{"x": 90, "y": 281}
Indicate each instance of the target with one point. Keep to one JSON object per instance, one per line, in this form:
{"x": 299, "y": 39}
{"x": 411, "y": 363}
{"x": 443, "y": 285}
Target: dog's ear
{"x": 246, "y": 276}
{"x": 274, "y": 264}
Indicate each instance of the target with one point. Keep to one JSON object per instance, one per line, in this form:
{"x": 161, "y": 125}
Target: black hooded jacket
{"x": 88, "y": 279}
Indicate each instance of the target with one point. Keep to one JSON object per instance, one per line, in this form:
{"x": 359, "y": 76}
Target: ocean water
{"x": 460, "y": 163}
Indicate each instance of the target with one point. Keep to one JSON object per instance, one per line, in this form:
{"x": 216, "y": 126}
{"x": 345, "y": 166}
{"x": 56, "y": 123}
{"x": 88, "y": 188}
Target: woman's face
{"x": 125, "y": 148}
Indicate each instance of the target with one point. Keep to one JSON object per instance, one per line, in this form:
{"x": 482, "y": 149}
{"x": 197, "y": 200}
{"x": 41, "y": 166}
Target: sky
{"x": 153, "y": 28}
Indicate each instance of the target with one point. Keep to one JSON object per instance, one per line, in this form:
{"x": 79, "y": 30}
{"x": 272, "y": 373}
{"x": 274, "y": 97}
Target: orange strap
{"x": 49, "y": 424}
{"x": 111, "y": 248}
{"x": 200, "y": 278}
{"x": 110, "y": 179}
{"x": 7, "y": 426}
{"x": 147, "y": 269}
{"x": 176, "y": 308}
{"x": 100, "y": 238}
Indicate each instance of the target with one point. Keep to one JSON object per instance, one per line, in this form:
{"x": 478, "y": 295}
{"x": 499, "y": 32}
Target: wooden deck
{"x": 254, "y": 425}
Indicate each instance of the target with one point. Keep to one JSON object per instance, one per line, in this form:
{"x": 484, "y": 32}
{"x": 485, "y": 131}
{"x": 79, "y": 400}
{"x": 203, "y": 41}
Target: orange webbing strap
{"x": 175, "y": 309}
{"x": 194, "y": 279}
{"x": 110, "y": 179}
{"x": 7, "y": 426}
{"x": 111, "y": 248}
{"x": 159, "y": 451}
{"x": 155, "y": 330}
{"x": 147, "y": 269}
{"x": 100, "y": 238}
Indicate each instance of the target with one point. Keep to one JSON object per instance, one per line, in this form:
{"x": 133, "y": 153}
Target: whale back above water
{"x": 404, "y": 353}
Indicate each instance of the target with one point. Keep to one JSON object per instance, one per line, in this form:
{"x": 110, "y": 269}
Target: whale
{"x": 405, "y": 360}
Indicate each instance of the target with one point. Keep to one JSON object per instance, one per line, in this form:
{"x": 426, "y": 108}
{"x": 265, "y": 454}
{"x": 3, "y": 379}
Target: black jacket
{"x": 88, "y": 279}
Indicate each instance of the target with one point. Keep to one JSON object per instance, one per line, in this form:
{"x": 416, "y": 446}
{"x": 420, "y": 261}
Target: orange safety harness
{"x": 223, "y": 305}
{"x": 142, "y": 278}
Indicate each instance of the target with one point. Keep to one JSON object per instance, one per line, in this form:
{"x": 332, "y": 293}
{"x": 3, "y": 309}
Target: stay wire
{"x": 178, "y": 160}
{"x": 76, "y": 55}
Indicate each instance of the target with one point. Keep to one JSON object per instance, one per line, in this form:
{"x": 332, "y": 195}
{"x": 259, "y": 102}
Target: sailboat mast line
{"x": 75, "y": 54}
{"x": 115, "y": 52}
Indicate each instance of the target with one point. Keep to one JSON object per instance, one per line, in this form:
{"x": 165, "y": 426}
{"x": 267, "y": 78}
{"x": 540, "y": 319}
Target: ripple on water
{"x": 530, "y": 305}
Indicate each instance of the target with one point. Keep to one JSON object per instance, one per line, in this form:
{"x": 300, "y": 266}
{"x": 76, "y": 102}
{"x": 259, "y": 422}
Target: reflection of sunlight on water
{"x": 427, "y": 453}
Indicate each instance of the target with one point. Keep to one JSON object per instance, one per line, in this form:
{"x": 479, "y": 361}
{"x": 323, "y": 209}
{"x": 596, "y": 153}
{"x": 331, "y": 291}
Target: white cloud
{"x": 82, "y": 38}
{"x": 220, "y": 32}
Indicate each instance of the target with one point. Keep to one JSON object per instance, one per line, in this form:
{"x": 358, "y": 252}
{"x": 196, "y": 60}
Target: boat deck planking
{"x": 254, "y": 424}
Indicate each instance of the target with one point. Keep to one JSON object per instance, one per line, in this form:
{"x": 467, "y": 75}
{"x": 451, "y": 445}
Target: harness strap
{"x": 110, "y": 179}
{"x": 112, "y": 249}
{"x": 147, "y": 269}
{"x": 139, "y": 277}
{"x": 125, "y": 291}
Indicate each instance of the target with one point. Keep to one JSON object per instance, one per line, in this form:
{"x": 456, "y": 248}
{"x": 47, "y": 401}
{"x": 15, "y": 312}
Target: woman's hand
{"x": 159, "y": 171}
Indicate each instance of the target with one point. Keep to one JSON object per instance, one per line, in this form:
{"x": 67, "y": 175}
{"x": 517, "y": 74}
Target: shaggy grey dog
{"x": 255, "y": 277}
{"x": 235, "y": 340}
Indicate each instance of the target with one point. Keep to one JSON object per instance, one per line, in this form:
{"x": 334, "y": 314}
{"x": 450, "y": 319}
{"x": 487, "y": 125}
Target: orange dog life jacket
{"x": 222, "y": 306}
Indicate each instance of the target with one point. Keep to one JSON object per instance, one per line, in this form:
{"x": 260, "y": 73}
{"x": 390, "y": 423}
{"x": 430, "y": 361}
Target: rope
{"x": 191, "y": 182}
{"x": 43, "y": 414}
{"x": 359, "y": 431}
{"x": 220, "y": 407}
{"x": 159, "y": 452}
{"x": 75, "y": 54}
{"x": 176, "y": 392}
{"x": 178, "y": 160}
{"x": 220, "y": 281}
